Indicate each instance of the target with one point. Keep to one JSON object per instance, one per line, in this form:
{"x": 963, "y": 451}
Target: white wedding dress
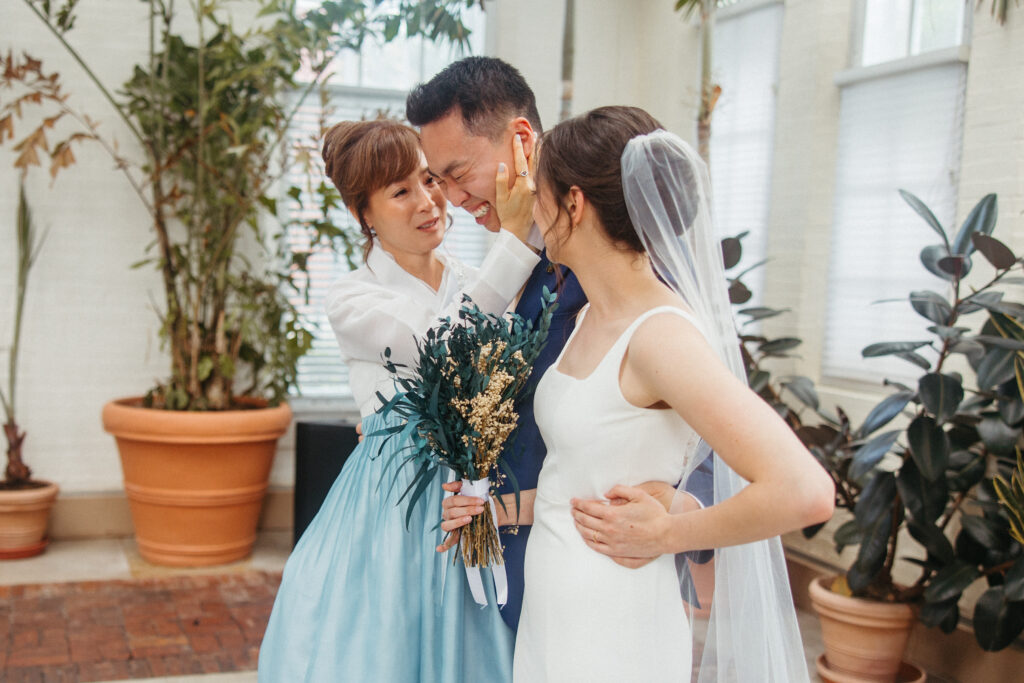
{"x": 584, "y": 617}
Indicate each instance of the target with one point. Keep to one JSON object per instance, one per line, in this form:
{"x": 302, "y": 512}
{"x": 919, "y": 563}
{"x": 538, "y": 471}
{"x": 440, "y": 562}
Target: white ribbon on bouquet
{"x": 481, "y": 488}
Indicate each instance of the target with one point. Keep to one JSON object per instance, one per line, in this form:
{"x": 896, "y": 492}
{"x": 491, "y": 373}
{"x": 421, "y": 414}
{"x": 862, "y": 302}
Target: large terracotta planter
{"x": 195, "y": 480}
{"x": 864, "y": 639}
{"x": 24, "y": 515}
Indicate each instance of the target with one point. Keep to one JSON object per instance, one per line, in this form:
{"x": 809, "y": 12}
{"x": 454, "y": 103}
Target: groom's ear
{"x": 521, "y": 126}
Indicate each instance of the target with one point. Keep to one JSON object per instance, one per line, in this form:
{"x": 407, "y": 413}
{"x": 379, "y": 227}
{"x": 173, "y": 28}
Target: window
{"x": 746, "y": 65}
{"x": 895, "y": 29}
{"x": 901, "y": 128}
{"x": 372, "y": 82}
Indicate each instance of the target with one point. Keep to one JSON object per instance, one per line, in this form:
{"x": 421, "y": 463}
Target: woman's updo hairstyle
{"x": 361, "y": 157}
{"x": 586, "y": 152}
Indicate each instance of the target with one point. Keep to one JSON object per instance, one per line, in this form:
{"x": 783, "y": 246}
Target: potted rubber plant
{"x": 209, "y": 109}
{"x": 923, "y": 464}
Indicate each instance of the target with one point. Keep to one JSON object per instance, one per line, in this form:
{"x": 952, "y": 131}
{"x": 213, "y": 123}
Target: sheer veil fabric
{"x": 752, "y": 633}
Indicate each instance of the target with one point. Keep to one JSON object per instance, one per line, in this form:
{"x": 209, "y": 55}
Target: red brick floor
{"x": 109, "y": 630}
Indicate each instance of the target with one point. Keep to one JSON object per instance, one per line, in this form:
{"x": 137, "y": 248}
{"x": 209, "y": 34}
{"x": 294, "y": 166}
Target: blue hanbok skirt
{"x": 366, "y": 598}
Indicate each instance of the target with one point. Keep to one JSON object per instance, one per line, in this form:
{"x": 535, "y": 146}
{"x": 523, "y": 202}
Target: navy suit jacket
{"x": 526, "y": 453}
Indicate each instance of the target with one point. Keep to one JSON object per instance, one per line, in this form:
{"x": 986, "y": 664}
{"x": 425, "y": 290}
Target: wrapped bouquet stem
{"x": 458, "y": 410}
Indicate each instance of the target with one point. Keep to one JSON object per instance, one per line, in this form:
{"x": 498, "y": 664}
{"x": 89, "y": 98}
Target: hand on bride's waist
{"x": 629, "y": 524}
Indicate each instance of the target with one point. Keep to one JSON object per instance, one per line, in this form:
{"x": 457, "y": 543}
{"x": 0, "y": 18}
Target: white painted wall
{"x": 90, "y": 331}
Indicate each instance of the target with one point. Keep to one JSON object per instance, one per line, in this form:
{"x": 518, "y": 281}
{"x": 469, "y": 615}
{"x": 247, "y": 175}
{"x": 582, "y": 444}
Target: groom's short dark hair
{"x": 487, "y": 91}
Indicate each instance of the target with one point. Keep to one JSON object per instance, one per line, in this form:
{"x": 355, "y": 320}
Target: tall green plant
{"x": 211, "y": 118}
{"x": 17, "y": 474}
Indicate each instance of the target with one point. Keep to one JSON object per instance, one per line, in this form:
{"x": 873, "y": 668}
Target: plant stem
{"x": 88, "y": 72}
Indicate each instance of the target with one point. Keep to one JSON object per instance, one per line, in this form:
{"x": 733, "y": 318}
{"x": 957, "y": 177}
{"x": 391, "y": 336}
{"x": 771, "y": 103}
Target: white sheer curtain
{"x": 746, "y": 65}
{"x": 902, "y": 131}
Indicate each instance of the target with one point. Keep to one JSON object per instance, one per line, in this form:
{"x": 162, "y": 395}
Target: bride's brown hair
{"x": 361, "y": 157}
{"x": 586, "y": 152}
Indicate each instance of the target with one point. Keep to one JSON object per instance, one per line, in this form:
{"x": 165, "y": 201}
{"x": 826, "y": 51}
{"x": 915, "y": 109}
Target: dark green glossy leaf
{"x": 847, "y": 534}
{"x": 998, "y": 254}
{"x": 915, "y": 358}
{"x": 924, "y": 212}
{"x": 812, "y": 531}
{"x": 762, "y": 312}
{"x": 941, "y": 394}
{"x": 779, "y": 345}
{"x": 998, "y": 437}
{"x": 997, "y": 623}
{"x": 803, "y": 389}
{"x": 884, "y": 412}
{"x": 932, "y": 306}
{"x": 979, "y": 300}
{"x": 934, "y": 541}
{"x": 871, "y": 556}
{"x": 951, "y": 581}
{"x": 956, "y": 266}
{"x": 930, "y": 258}
{"x": 945, "y": 615}
{"x": 963, "y": 477}
{"x": 759, "y": 380}
{"x": 952, "y": 333}
{"x": 926, "y": 500}
{"x": 868, "y": 455}
{"x": 876, "y": 499}
{"x": 732, "y": 252}
{"x": 929, "y": 447}
{"x": 889, "y": 348}
{"x": 983, "y": 531}
{"x": 1014, "y": 584}
{"x": 1000, "y": 342}
{"x": 739, "y": 293}
{"x": 981, "y": 219}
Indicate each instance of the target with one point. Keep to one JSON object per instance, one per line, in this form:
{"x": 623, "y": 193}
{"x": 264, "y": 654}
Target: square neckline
{"x": 604, "y": 357}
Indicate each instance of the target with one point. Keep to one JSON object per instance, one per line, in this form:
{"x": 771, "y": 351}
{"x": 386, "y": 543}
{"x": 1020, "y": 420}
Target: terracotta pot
{"x": 864, "y": 639}
{"x": 195, "y": 481}
{"x": 907, "y": 673}
{"x": 24, "y": 515}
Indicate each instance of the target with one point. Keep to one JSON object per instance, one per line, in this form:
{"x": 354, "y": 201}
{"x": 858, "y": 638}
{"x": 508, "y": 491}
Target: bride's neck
{"x": 616, "y": 282}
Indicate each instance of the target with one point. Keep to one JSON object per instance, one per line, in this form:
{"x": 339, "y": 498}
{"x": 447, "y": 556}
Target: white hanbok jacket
{"x": 380, "y": 305}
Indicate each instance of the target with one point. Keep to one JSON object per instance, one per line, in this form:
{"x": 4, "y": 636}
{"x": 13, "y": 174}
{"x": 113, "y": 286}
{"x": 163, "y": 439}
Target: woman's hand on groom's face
{"x": 515, "y": 201}
{"x": 456, "y": 512}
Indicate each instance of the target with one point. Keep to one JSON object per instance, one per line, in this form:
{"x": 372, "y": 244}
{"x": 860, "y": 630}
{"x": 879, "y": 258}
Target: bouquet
{"x": 459, "y": 411}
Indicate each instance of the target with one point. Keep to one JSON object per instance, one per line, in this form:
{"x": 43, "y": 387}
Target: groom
{"x": 468, "y": 116}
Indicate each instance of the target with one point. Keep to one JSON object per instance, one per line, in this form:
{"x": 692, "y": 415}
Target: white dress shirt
{"x": 382, "y": 305}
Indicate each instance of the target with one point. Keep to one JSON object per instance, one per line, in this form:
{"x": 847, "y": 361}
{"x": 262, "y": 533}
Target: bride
{"x": 648, "y": 383}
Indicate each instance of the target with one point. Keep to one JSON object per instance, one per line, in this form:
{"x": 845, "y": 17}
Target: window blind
{"x": 902, "y": 131}
{"x": 746, "y": 65}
